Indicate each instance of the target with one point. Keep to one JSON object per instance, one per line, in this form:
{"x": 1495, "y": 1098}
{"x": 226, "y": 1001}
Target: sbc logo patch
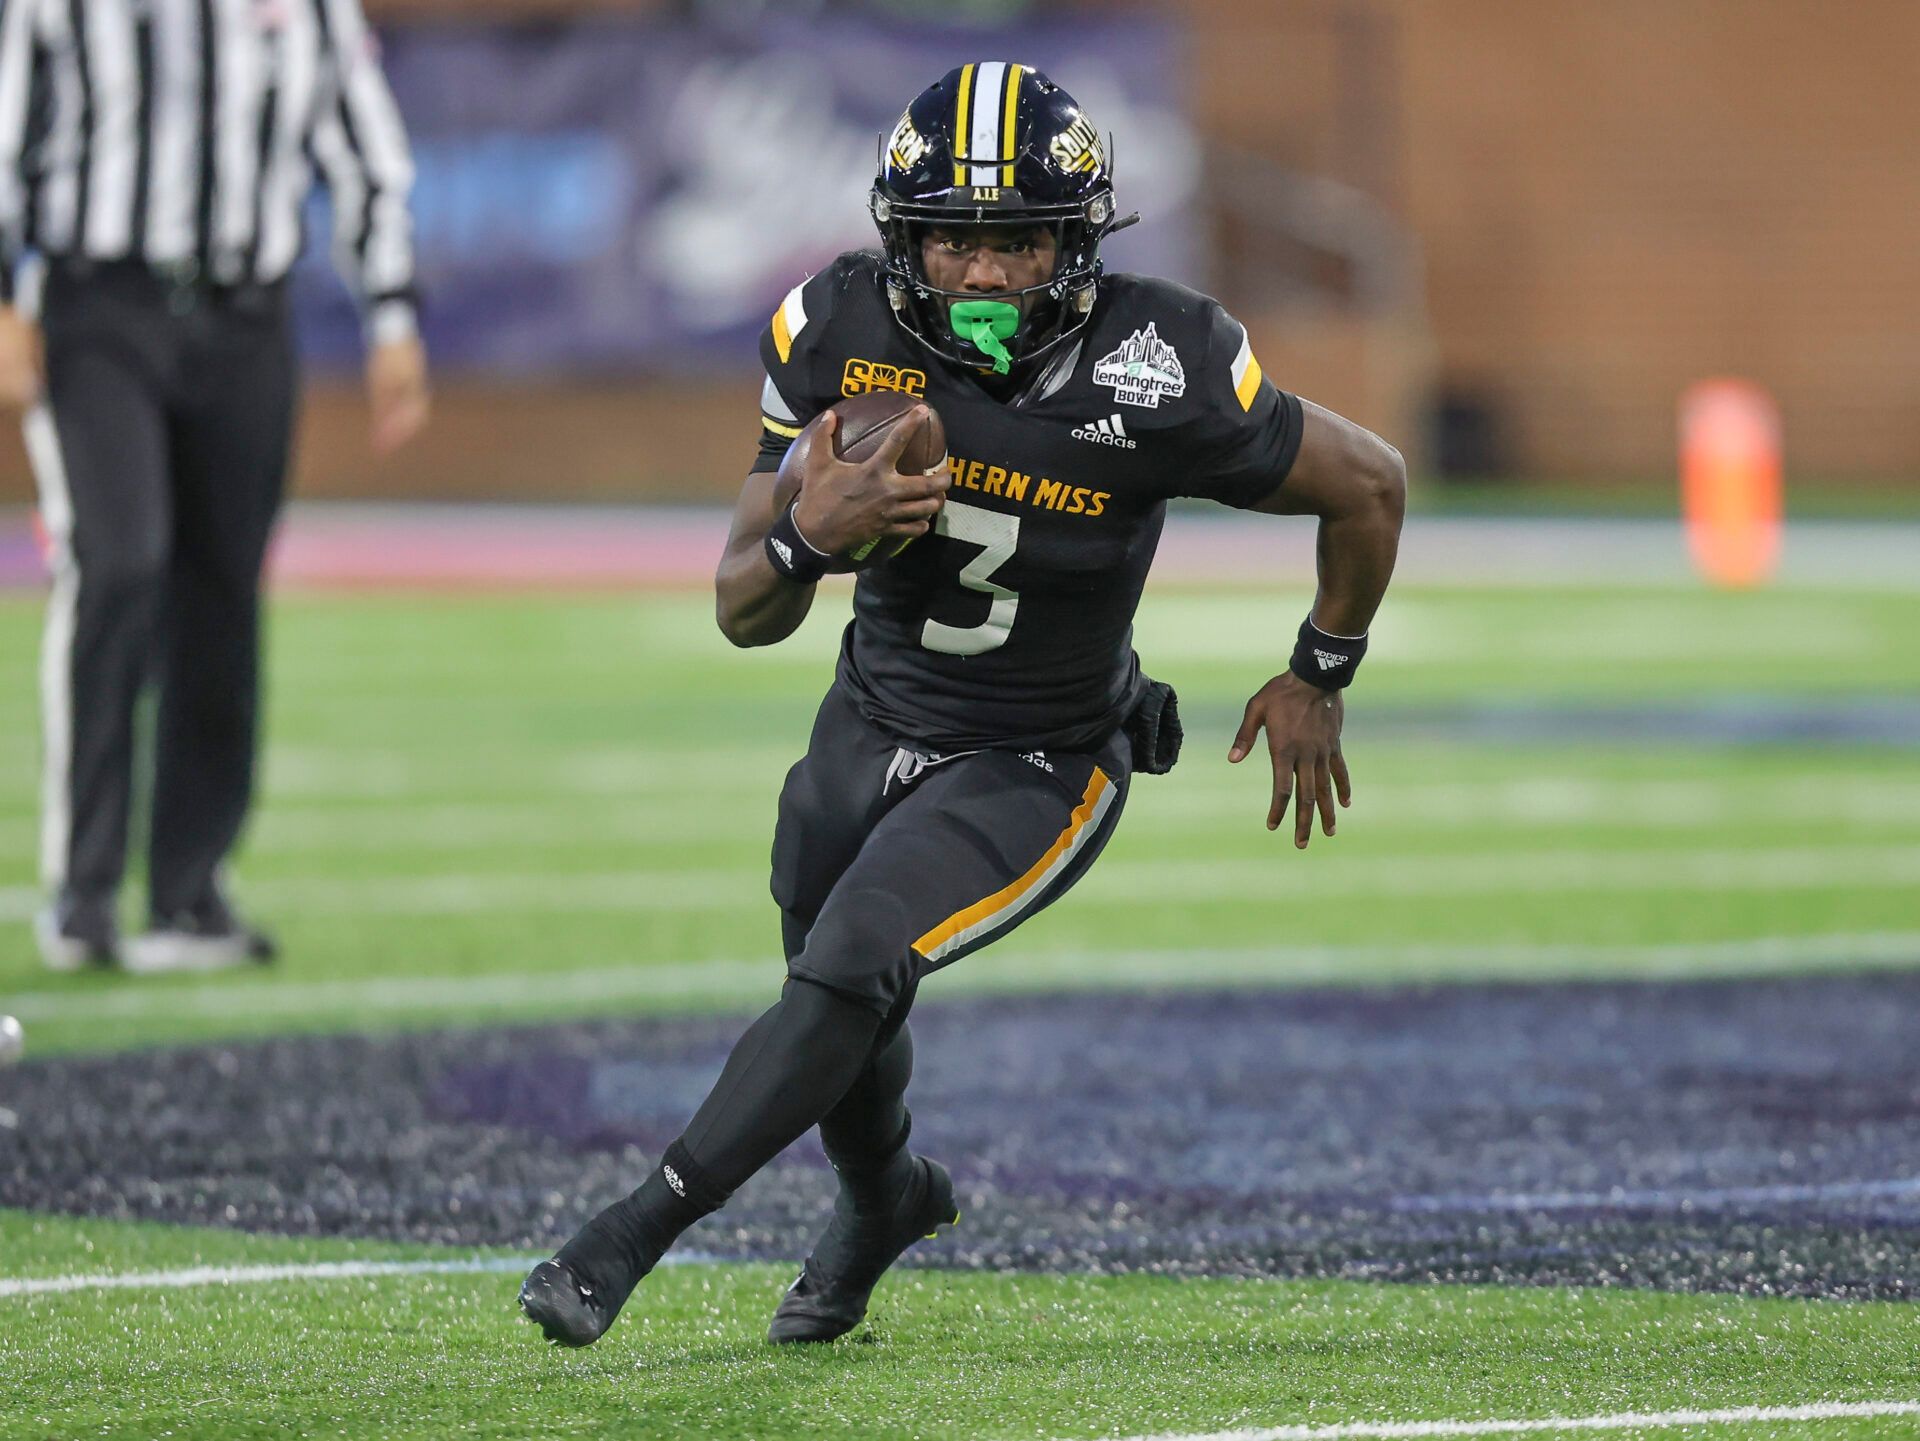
{"x": 862, "y": 376}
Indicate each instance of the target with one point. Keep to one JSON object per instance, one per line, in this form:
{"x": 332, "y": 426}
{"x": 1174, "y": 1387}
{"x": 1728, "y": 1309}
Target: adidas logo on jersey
{"x": 1111, "y": 431}
{"x": 673, "y": 1180}
{"x": 1328, "y": 660}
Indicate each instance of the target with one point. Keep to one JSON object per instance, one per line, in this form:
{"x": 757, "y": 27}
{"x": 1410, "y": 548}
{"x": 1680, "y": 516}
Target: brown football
{"x": 865, "y": 423}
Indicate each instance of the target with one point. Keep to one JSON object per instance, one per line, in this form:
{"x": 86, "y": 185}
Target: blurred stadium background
{"x": 1506, "y": 235}
{"x": 514, "y": 773}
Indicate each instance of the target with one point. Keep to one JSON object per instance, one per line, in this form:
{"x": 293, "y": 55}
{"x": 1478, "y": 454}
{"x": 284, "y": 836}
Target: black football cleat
{"x": 830, "y": 1297}
{"x": 567, "y": 1309}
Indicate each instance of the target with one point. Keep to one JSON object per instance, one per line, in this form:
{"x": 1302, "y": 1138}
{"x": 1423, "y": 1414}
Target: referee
{"x": 156, "y": 156}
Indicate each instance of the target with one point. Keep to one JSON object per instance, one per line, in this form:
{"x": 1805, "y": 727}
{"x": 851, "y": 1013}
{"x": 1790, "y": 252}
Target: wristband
{"x": 1327, "y": 661}
{"x": 790, "y": 552}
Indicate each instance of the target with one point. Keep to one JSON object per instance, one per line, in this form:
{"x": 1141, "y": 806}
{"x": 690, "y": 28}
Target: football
{"x": 866, "y": 421}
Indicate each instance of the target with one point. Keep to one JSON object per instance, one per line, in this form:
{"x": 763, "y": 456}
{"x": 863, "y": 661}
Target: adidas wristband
{"x": 790, "y": 553}
{"x": 1327, "y": 661}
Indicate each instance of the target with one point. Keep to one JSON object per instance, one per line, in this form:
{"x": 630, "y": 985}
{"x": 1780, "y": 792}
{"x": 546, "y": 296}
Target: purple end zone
{"x": 1759, "y": 1136}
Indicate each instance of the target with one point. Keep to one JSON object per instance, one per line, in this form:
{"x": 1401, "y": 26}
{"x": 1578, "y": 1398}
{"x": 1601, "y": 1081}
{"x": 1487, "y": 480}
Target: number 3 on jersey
{"x": 997, "y": 535}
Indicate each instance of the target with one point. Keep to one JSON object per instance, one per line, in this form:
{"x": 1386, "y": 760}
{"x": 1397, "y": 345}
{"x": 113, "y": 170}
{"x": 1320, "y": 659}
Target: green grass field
{"x": 499, "y": 808}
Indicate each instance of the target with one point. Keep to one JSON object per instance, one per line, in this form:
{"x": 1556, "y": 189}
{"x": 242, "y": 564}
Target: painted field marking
{"x": 532, "y": 824}
{"x": 1130, "y": 882}
{"x": 731, "y": 980}
{"x": 1589, "y": 801}
{"x": 203, "y": 1276}
{"x": 586, "y": 774}
{"x": 1664, "y": 1198}
{"x": 1621, "y": 1421}
{"x": 194, "y": 1276}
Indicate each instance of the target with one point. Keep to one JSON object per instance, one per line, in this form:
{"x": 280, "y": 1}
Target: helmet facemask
{"x": 1047, "y": 311}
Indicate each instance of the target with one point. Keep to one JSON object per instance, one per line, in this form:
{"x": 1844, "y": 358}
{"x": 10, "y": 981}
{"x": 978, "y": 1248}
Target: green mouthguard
{"x": 987, "y": 323}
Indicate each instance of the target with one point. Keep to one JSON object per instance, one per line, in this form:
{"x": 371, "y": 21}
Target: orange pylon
{"x": 1732, "y": 493}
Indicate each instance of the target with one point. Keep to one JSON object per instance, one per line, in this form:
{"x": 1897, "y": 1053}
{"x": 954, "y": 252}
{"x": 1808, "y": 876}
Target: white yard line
{"x": 196, "y": 1276}
{"x": 1620, "y": 1421}
{"x": 730, "y": 981}
{"x": 193, "y": 1276}
{"x": 1532, "y": 872}
{"x": 526, "y": 826}
{"x": 1279, "y": 879}
{"x": 590, "y": 774}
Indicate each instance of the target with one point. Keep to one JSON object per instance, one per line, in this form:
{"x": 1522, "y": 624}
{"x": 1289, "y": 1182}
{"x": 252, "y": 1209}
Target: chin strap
{"x": 986, "y": 325}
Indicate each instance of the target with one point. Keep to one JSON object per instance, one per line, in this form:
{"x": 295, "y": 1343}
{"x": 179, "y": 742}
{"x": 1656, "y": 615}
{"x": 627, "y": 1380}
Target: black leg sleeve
{"x": 790, "y": 1069}
{"x": 785, "y": 1073}
{"x": 865, "y": 1135}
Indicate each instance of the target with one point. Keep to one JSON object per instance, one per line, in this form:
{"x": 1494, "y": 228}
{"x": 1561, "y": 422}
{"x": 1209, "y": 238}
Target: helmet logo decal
{"x": 907, "y": 147}
{"x": 1142, "y": 369}
{"x": 1078, "y": 147}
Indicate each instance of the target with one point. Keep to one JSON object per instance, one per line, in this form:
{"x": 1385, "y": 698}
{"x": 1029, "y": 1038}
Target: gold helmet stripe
{"x": 1006, "y": 124}
{"x": 962, "y": 112}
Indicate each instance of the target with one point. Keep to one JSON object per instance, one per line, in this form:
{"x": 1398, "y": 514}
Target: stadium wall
{"x": 1616, "y": 200}
{"x": 1611, "y": 202}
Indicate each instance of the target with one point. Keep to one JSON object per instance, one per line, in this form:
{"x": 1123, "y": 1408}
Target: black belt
{"x": 182, "y": 285}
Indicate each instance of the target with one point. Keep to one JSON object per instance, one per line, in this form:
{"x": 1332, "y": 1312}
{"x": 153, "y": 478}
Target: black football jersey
{"x": 1011, "y": 624}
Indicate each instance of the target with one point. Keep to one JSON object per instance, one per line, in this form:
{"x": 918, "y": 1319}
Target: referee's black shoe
{"x": 210, "y": 936}
{"x": 76, "y": 934}
{"x": 830, "y": 1297}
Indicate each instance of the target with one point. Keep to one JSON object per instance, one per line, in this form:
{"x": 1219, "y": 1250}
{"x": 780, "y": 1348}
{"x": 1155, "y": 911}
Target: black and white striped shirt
{"x": 184, "y": 134}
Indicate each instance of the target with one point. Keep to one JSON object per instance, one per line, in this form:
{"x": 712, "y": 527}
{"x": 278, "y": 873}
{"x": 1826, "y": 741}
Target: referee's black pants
{"x": 161, "y": 455}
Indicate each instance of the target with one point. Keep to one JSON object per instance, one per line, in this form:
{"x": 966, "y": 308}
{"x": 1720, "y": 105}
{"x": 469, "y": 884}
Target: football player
{"x": 975, "y": 750}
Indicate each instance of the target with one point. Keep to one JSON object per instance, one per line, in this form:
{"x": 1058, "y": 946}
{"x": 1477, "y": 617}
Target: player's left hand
{"x": 1302, "y": 723}
{"x": 397, "y": 392}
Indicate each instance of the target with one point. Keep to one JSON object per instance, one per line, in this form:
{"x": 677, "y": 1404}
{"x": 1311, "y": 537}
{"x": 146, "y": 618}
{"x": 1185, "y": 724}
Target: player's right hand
{"x": 22, "y": 368}
{"x": 844, "y": 504}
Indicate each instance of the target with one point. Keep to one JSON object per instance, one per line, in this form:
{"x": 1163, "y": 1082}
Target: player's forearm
{"x": 754, "y": 604}
{"x": 1358, "y": 543}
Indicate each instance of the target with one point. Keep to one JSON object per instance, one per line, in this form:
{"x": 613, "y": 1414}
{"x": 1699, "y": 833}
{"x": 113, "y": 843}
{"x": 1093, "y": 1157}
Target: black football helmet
{"x": 994, "y": 143}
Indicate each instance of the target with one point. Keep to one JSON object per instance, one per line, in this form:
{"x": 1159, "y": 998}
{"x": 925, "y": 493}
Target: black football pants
{"x": 161, "y": 456}
{"x": 889, "y": 863}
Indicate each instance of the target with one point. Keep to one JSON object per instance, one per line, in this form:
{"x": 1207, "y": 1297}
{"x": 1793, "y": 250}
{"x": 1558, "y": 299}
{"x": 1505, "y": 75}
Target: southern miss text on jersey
{"x": 1012, "y": 624}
